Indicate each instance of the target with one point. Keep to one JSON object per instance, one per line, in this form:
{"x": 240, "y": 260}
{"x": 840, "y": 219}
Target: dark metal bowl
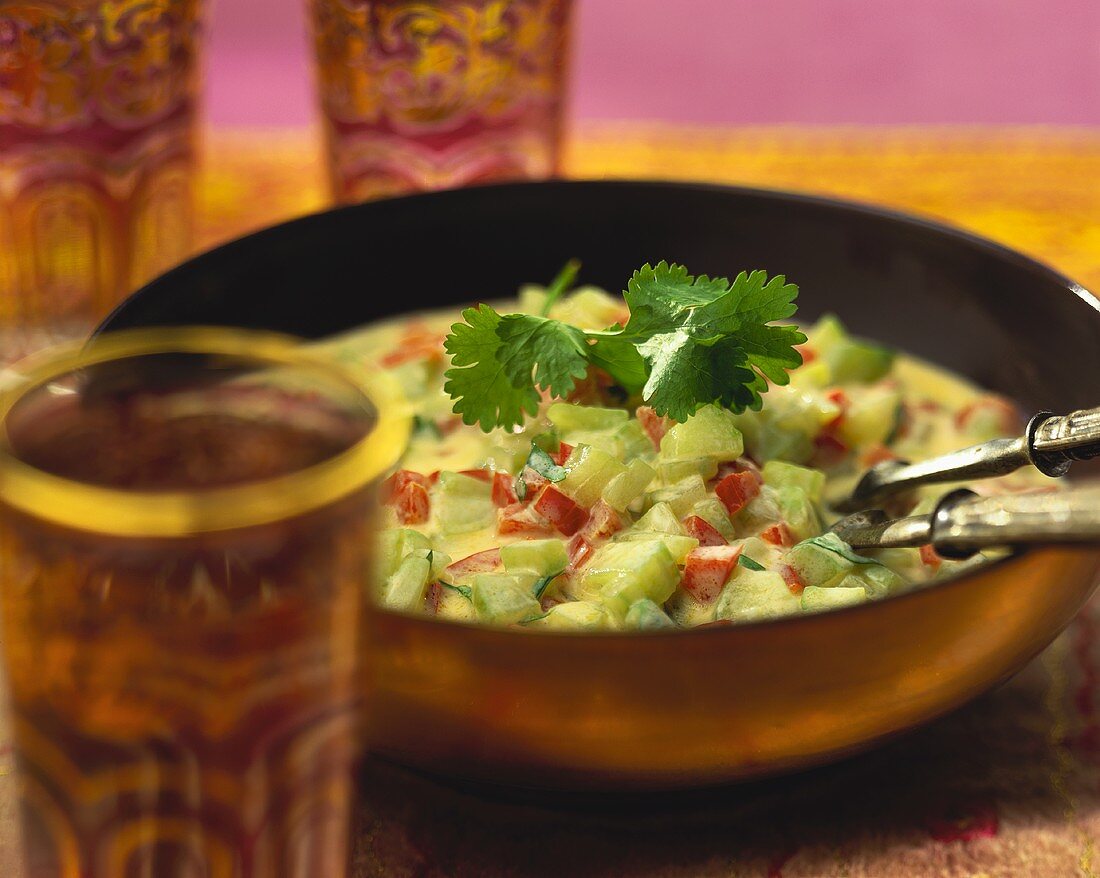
{"x": 712, "y": 705}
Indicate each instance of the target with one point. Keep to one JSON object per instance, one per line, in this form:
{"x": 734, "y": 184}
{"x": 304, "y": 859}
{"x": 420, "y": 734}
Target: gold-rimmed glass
{"x": 184, "y": 524}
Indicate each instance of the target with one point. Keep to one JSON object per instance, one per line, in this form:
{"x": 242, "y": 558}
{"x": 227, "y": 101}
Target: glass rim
{"x": 178, "y": 513}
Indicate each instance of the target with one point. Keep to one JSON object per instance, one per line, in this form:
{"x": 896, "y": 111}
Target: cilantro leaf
{"x": 689, "y": 341}
{"x": 544, "y": 465}
{"x": 478, "y": 381}
{"x": 748, "y": 563}
{"x": 557, "y": 350}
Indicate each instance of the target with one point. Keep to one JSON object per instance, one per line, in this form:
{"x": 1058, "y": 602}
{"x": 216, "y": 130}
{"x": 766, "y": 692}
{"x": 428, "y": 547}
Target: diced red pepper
{"x": 778, "y": 535}
{"x": 534, "y": 482}
{"x": 580, "y": 550}
{"x": 793, "y": 580}
{"x": 737, "y": 489}
{"x": 412, "y": 504}
{"x": 433, "y": 597}
{"x": 479, "y": 562}
{"x": 560, "y": 510}
{"x": 840, "y": 399}
{"x": 418, "y": 343}
{"x": 876, "y": 454}
{"x": 482, "y": 475}
{"x": 520, "y": 518}
{"x": 706, "y": 570}
{"x": 504, "y": 491}
{"x": 603, "y": 521}
{"x": 742, "y": 465}
{"x": 704, "y": 531}
{"x": 395, "y": 483}
{"x": 655, "y": 425}
{"x": 808, "y": 353}
{"x": 562, "y": 454}
{"x": 829, "y": 449}
{"x": 1007, "y": 418}
{"x": 929, "y": 557}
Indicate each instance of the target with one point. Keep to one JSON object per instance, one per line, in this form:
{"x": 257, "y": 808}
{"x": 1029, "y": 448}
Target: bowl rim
{"x": 863, "y": 209}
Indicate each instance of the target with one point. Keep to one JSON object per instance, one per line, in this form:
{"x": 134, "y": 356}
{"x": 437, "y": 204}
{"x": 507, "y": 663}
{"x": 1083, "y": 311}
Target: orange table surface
{"x": 1008, "y": 786}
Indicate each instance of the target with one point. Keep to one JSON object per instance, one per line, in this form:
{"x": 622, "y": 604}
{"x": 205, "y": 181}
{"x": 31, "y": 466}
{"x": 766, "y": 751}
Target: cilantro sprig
{"x": 689, "y": 340}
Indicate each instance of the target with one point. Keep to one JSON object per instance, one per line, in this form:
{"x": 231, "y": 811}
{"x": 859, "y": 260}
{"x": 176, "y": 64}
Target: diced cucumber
{"x": 813, "y": 376}
{"x": 588, "y": 471}
{"x": 660, "y": 519}
{"x": 760, "y": 512}
{"x": 859, "y": 363}
{"x": 463, "y": 503}
{"x": 588, "y": 308}
{"x": 405, "y": 589}
{"x": 755, "y": 594}
{"x": 633, "y": 441}
{"x": 394, "y": 543}
{"x": 412, "y": 377}
{"x": 678, "y": 546}
{"x": 713, "y": 512}
{"x": 644, "y": 615}
{"x": 798, "y": 511}
{"x": 532, "y": 298}
{"x": 850, "y": 360}
{"x": 575, "y": 616}
{"x": 820, "y": 560}
{"x": 871, "y": 418}
{"x": 881, "y": 580}
{"x": 508, "y": 453}
{"x": 711, "y": 432}
{"x": 541, "y": 557}
{"x": 779, "y": 474}
{"x": 622, "y": 573}
{"x": 680, "y": 496}
{"x": 816, "y": 599}
{"x": 569, "y": 416}
{"x": 627, "y": 487}
{"x": 672, "y": 471}
{"x": 439, "y": 561}
{"x": 505, "y": 598}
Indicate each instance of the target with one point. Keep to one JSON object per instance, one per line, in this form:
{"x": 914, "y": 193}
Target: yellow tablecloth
{"x": 1008, "y": 786}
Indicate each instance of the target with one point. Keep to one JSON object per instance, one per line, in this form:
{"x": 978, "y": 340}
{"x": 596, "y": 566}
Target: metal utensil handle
{"x": 1075, "y": 436}
{"x": 964, "y": 522}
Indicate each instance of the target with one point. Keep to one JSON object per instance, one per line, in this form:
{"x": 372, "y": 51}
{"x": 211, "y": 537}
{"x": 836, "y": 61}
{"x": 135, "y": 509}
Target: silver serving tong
{"x": 962, "y": 523}
{"x": 1050, "y": 444}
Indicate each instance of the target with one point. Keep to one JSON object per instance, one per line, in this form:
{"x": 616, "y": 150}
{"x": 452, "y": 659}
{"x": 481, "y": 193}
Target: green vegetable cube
{"x": 627, "y": 487}
{"x": 463, "y": 503}
{"x": 588, "y": 471}
{"x": 680, "y": 496}
{"x": 394, "y": 544}
{"x": 753, "y": 595}
{"x": 660, "y": 519}
{"x": 576, "y": 616}
{"x": 798, "y": 511}
{"x": 872, "y": 418}
{"x": 678, "y": 546}
{"x": 405, "y": 589}
{"x": 644, "y": 615}
{"x": 816, "y": 599}
{"x": 624, "y": 572}
{"x": 569, "y": 416}
{"x": 779, "y": 474}
{"x": 713, "y": 512}
{"x": 711, "y": 432}
{"x": 820, "y": 560}
{"x": 542, "y": 557}
{"x": 672, "y": 471}
{"x": 505, "y": 598}
{"x": 633, "y": 441}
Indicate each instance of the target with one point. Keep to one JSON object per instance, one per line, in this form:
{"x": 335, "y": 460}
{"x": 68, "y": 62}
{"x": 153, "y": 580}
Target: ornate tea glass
{"x": 431, "y": 94}
{"x": 184, "y": 533}
{"x": 97, "y": 111}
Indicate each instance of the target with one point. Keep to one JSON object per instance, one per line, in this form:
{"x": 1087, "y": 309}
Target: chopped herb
{"x": 689, "y": 341}
{"x": 428, "y": 426}
{"x": 560, "y": 284}
{"x": 544, "y": 465}
{"x": 543, "y": 583}
{"x": 521, "y": 487}
{"x": 463, "y": 590}
{"x": 534, "y": 618}
{"x": 747, "y": 562}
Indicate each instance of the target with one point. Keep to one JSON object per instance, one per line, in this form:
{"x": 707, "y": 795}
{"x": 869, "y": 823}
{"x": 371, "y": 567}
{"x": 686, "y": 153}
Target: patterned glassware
{"x": 97, "y": 109}
{"x": 431, "y": 94}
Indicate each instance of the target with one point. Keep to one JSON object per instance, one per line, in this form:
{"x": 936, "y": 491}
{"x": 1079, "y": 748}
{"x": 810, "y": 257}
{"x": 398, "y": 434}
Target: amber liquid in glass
{"x": 183, "y": 706}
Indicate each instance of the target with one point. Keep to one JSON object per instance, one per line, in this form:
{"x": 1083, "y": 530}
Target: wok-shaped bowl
{"x": 712, "y": 705}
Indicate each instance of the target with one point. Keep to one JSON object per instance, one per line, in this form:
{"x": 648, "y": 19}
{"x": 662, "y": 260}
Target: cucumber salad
{"x": 595, "y": 462}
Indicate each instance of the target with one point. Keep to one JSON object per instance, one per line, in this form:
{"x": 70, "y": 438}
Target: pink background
{"x": 743, "y": 61}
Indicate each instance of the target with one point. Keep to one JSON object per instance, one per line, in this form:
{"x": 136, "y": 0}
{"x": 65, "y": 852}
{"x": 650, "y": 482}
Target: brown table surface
{"x": 1007, "y": 786}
